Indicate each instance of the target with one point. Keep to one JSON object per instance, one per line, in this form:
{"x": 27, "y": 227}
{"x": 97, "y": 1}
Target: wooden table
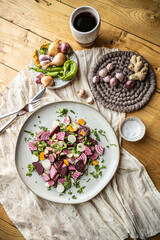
{"x": 127, "y": 25}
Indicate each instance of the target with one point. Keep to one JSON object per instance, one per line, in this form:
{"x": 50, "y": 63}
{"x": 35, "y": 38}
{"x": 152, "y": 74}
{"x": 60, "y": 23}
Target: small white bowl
{"x": 132, "y": 129}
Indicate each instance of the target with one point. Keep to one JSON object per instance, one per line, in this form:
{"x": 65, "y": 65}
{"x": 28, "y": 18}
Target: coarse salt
{"x": 131, "y": 129}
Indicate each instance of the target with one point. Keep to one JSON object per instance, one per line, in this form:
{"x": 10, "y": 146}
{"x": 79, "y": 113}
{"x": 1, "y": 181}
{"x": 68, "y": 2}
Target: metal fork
{"x": 30, "y": 107}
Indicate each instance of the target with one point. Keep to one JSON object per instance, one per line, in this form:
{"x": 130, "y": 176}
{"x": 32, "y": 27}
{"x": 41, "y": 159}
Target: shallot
{"x": 95, "y": 79}
{"x": 110, "y": 66}
{"x": 107, "y": 79}
{"x": 59, "y": 59}
{"x": 90, "y": 100}
{"x": 103, "y": 72}
{"x": 82, "y": 93}
{"x": 45, "y": 62}
{"x": 113, "y": 82}
{"x": 47, "y": 81}
{"x": 129, "y": 84}
{"x": 119, "y": 76}
{"x": 44, "y": 57}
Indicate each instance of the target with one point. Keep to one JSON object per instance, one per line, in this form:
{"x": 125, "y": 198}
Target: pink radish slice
{"x": 66, "y": 121}
{"x": 99, "y": 149}
{"x": 51, "y": 158}
{"x": 53, "y": 172}
{"x": 94, "y": 156}
{"x": 60, "y": 136}
{"x": 71, "y": 168}
{"x": 39, "y": 135}
{"x": 75, "y": 175}
{"x": 61, "y": 180}
{"x": 87, "y": 150}
{"x": 83, "y": 157}
{"x": 32, "y": 147}
{"x": 51, "y": 182}
{"x": 45, "y": 135}
{"x": 45, "y": 177}
{"x": 38, "y": 167}
{"x": 56, "y": 130}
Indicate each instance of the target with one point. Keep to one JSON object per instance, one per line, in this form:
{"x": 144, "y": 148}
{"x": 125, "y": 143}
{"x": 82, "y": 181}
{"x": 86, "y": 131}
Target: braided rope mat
{"x": 120, "y": 98}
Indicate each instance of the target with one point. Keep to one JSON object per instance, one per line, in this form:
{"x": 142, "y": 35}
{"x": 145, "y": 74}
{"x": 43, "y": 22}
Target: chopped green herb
{"x": 72, "y": 111}
{"x": 38, "y": 116}
{"x": 40, "y": 122}
{"x": 102, "y": 160}
{"x": 36, "y": 0}
{"x": 32, "y": 134}
{"x": 98, "y": 171}
{"x": 35, "y": 181}
{"x": 81, "y": 189}
{"x": 34, "y": 125}
{"x": 63, "y": 112}
{"x": 95, "y": 134}
{"x": 58, "y": 120}
{"x": 113, "y": 145}
{"x": 90, "y": 161}
{"x": 48, "y": 4}
{"x": 25, "y": 139}
{"x": 76, "y": 184}
{"x": 67, "y": 184}
{"x": 30, "y": 169}
{"x": 43, "y": 128}
{"x": 88, "y": 180}
{"x": 70, "y": 193}
{"x": 74, "y": 197}
{"x": 103, "y": 134}
{"x": 107, "y": 146}
{"x": 61, "y": 194}
{"x": 49, "y": 188}
{"x": 35, "y": 153}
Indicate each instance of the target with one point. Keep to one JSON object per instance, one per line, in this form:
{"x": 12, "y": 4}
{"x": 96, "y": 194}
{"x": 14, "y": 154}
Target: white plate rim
{"x": 72, "y": 201}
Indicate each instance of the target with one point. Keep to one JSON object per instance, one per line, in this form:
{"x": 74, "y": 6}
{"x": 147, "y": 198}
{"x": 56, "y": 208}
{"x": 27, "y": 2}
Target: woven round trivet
{"x": 120, "y": 98}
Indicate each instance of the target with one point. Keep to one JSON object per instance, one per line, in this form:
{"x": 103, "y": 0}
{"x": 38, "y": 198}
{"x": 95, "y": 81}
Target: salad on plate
{"x": 63, "y": 154}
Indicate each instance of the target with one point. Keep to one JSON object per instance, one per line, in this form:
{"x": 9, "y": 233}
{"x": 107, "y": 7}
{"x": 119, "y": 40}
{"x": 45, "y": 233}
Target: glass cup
{"x": 85, "y": 39}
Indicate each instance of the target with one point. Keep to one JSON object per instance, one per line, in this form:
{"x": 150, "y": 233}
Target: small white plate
{"x": 58, "y": 82}
{"x": 94, "y": 119}
{"x": 138, "y": 132}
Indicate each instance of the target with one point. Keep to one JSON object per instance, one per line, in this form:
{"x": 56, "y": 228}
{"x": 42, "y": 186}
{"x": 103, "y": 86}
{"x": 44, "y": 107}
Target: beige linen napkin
{"x": 128, "y": 206}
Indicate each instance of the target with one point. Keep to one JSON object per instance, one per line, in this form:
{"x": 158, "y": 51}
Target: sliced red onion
{"x": 45, "y": 177}
{"x": 99, "y": 149}
{"x": 31, "y": 146}
{"x": 43, "y": 63}
{"x": 75, "y": 175}
{"x": 60, "y": 136}
{"x": 65, "y": 48}
{"x": 53, "y": 172}
{"x": 38, "y": 80}
{"x": 44, "y": 58}
{"x": 87, "y": 151}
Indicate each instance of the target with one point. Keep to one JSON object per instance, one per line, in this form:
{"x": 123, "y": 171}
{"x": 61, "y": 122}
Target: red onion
{"x": 95, "y": 79}
{"x": 129, "y": 84}
{"x": 38, "y": 80}
{"x": 45, "y": 62}
{"x": 107, "y": 79}
{"x": 113, "y": 82}
{"x": 44, "y": 57}
{"x": 65, "y": 48}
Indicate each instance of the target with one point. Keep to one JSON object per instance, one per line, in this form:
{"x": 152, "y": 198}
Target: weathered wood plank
{"x": 7, "y": 229}
{"x": 141, "y": 18}
{"x": 6, "y": 75}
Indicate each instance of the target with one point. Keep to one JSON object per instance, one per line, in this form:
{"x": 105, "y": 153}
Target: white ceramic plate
{"x": 94, "y": 120}
{"x": 58, "y": 82}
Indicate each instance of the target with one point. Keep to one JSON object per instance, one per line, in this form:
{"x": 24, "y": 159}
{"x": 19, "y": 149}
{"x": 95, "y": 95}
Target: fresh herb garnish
{"x": 69, "y": 192}
{"x": 43, "y": 128}
{"x": 61, "y": 194}
{"x": 40, "y": 122}
{"x": 38, "y": 116}
{"x": 103, "y": 134}
{"x": 76, "y": 184}
{"x": 35, "y": 153}
{"x": 107, "y": 146}
{"x": 98, "y": 171}
{"x": 72, "y": 111}
{"x": 90, "y": 161}
{"x": 113, "y": 145}
{"x": 94, "y": 131}
{"x": 63, "y": 112}
{"x": 81, "y": 189}
{"x": 32, "y": 134}
{"x": 30, "y": 169}
{"x": 88, "y": 180}
{"x": 102, "y": 160}
{"x": 74, "y": 197}
{"x": 67, "y": 184}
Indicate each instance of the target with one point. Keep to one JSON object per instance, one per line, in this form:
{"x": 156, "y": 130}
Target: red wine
{"x": 85, "y": 22}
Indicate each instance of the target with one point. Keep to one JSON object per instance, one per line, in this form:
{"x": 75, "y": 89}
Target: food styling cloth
{"x": 128, "y": 206}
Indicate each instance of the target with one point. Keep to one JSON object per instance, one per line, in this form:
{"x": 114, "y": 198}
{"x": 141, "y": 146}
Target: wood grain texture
{"x": 143, "y": 16}
{"x": 25, "y": 25}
